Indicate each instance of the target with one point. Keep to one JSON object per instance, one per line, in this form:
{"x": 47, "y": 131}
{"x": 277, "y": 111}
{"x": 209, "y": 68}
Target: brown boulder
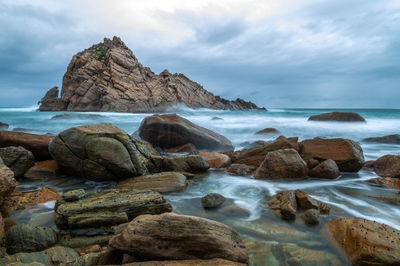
{"x": 216, "y": 159}
{"x": 18, "y": 159}
{"x": 282, "y": 164}
{"x": 387, "y": 182}
{"x": 172, "y": 236}
{"x": 284, "y": 204}
{"x": 305, "y": 202}
{"x": 42, "y": 170}
{"x": 171, "y": 130}
{"x": 388, "y": 165}
{"x": 364, "y": 242}
{"x": 347, "y": 154}
{"x": 328, "y": 169}
{"x": 37, "y": 144}
{"x": 7, "y": 181}
{"x": 239, "y": 170}
{"x": 338, "y": 116}
{"x": 268, "y": 130}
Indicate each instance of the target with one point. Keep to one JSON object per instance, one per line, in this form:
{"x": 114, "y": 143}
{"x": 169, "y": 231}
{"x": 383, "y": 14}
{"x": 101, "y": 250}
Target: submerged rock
{"x": 107, "y": 207}
{"x": 174, "y": 236}
{"x": 310, "y": 217}
{"x": 268, "y": 130}
{"x": 387, "y": 182}
{"x": 338, "y": 116}
{"x": 42, "y": 170}
{"x": 364, "y": 242}
{"x": 328, "y": 169}
{"x": 388, "y": 165}
{"x": 282, "y": 164}
{"x": 171, "y": 130}
{"x": 18, "y": 159}
{"x": 389, "y": 139}
{"x": 216, "y": 159}
{"x": 347, "y": 154}
{"x": 212, "y": 200}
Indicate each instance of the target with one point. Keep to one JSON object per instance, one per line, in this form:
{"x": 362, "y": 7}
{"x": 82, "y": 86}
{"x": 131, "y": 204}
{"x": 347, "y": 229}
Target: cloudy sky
{"x": 277, "y": 53}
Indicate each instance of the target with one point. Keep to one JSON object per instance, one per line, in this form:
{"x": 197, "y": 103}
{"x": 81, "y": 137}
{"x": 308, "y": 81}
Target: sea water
{"x": 349, "y": 195}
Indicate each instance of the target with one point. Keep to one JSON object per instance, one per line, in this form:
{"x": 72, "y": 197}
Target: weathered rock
{"x": 210, "y": 262}
{"x": 164, "y": 182}
{"x": 364, "y": 242}
{"x": 338, "y": 116}
{"x": 212, "y": 200}
{"x": 108, "y": 77}
{"x": 284, "y": 204}
{"x": 105, "y": 257}
{"x": 24, "y": 238}
{"x": 171, "y": 130}
{"x": 7, "y": 181}
{"x": 22, "y": 200}
{"x": 328, "y": 169}
{"x": 72, "y": 115}
{"x": 347, "y": 154}
{"x": 282, "y": 164}
{"x": 101, "y": 152}
{"x": 18, "y": 159}
{"x": 179, "y": 237}
{"x": 187, "y": 163}
{"x": 387, "y": 182}
{"x": 189, "y": 147}
{"x": 216, "y": 159}
{"x": 305, "y": 202}
{"x": 3, "y": 126}
{"x": 310, "y": 217}
{"x": 37, "y": 144}
{"x": 239, "y": 170}
{"x": 388, "y": 165}
{"x": 255, "y": 156}
{"x": 51, "y": 256}
{"x": 42, "y": 170}
{"x": 268, "y": 130}
{"x": 389, "y": 139}
{"x": 108, "y": 207}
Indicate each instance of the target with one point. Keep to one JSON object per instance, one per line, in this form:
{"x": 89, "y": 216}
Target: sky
{"x": 276, "y": 53}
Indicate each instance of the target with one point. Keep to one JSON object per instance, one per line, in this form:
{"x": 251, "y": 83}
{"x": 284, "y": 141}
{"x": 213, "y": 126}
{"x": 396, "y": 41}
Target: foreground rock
{"x": 328, "y": 169}
{"x": 216, "y": 159}
{"x": 81, "y": 209}
{"x": 164, "y": 182}
{"x": 42, "y": 170}
{"x": 338, "y": 116}
{"x": 7, "y": 182}
{"x": 101, "y": 152}
{"x": 18, "y": 159}
{"x": 347, "y": 154}
{"x": 364, "y": 242}
{"x": 108, "y": 77}
{"x": 389, "y": 139}
{"x": 171, "y": 130}
{"x": 37, "y": 144}
{"x": 282, "y": 164}
{"x": 388, "y": 165}
{"x": 386, "y": 182}
{"x": 179, "y": 237}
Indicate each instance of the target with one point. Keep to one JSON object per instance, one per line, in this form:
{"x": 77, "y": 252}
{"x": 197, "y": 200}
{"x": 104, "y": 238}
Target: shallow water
{"x": 349, "y": 195}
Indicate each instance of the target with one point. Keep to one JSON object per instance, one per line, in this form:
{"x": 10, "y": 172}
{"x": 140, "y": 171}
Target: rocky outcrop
{"x": 347, "y": 154}
{"x": 171, "y": 130}
{"x": 389, "y": 139}
{"x": 386, "y": 182}
{"x": 328, "y": 169}
{"x": 216, "y": 159}
{"x": 282, "y": 164}
{"x": 338, "y": 116}
{"x": 388, "y": 165}
{"x": 37, "y": 144}
{"x": 212, "y": 200}
{"x": 18, "y": 159}
{"x": 174, "y": 236}
{"x": 108, "y": 77}
{"x": 364, "y": 242}
{"x": 81, "y": 209}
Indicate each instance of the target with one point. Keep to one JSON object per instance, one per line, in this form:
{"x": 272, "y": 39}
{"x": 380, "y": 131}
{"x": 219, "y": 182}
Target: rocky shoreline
{"x": 132, "y": 220}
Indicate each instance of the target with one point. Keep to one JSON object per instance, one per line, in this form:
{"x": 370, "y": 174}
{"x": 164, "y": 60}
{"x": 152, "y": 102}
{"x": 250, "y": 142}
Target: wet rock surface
{"x": 388, "y": 165}
{"x": 18, "y": 159}
{"x": 387, "y": 182}
{"x": 216, "y": 159}
{"x": 212, "y": 200}
{"x": 338, "y": 116}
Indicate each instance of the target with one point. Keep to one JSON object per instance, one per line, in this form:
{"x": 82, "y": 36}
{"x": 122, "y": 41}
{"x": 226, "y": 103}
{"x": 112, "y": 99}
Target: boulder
{"x": 173, "y": 236}
{"x": 268, "y": 130}
{"x": 310, "y": 217}
{"x": 255, "y": 156}
{"x": 18, "y": 159}
{"x": 388, "y": 165}
{"x": 386, "y": 182}
{"x": 37, "y": 144}
{"x": 305, "y": 202}
{"x": 164, "y": 182}
{"x": 347, "y": 154}
{"x": 284, "y": 204}
{"x": 210, "y": 262}
{"x": 7, "y": 181}
{"x": 212, "y": 200}
{"x": 171, "y": 130}
{"x": 187, "y": 163}
{"x": 3, "y": 126}
{"x": 282, "y": 164}
{"x": 364, "y": 242}
{"x": 338, "y": 116}
{"x": 42, "y": 170}
{"x": 101, "y": 152}
{"x": 239, "y": 170}
{"x": 216, "y": 159}
{"x": 106, "y": 208}
{"x": 189, "y": 147}
{"x": 24, "y": 238}
{"x": 389, "y": 139}
{"x": 328, "y": 169}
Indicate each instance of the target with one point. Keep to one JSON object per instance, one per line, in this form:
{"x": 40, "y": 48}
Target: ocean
{"x": 349, "y": 195}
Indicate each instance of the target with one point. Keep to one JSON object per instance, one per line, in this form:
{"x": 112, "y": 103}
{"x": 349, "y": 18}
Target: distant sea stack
{"x": 108, "y": 77}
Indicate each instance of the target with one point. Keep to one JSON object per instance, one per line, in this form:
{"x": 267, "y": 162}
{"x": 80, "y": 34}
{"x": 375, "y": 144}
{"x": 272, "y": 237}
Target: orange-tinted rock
{"x": 338, "y": 116}
{"x": 387, "y": 182}
{"x": 364, "y": 242}
{"x": 369, "y": 164}
{"x": 284, "y": 204}
{"x": 268, "y": 130}
{"x": 305, "y": 202}
{"x": 239, "y": 170}
{"x": 20, "y": 200}
{"x": 328, "y": 169}
{"x": 388, "y": 165}
{"x": 44, "y": 169}
{"x": 188, "y": 147}
{"x": 216, "y": 159}
{"x": 347, "y": 154}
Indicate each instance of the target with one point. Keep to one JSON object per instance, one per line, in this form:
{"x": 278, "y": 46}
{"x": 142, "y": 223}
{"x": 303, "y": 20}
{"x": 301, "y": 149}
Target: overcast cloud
{"x": 285, "y": 53}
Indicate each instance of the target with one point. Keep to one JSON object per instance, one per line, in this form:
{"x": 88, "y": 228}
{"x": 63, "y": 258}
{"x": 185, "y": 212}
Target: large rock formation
{"x": 108, "y": 77}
